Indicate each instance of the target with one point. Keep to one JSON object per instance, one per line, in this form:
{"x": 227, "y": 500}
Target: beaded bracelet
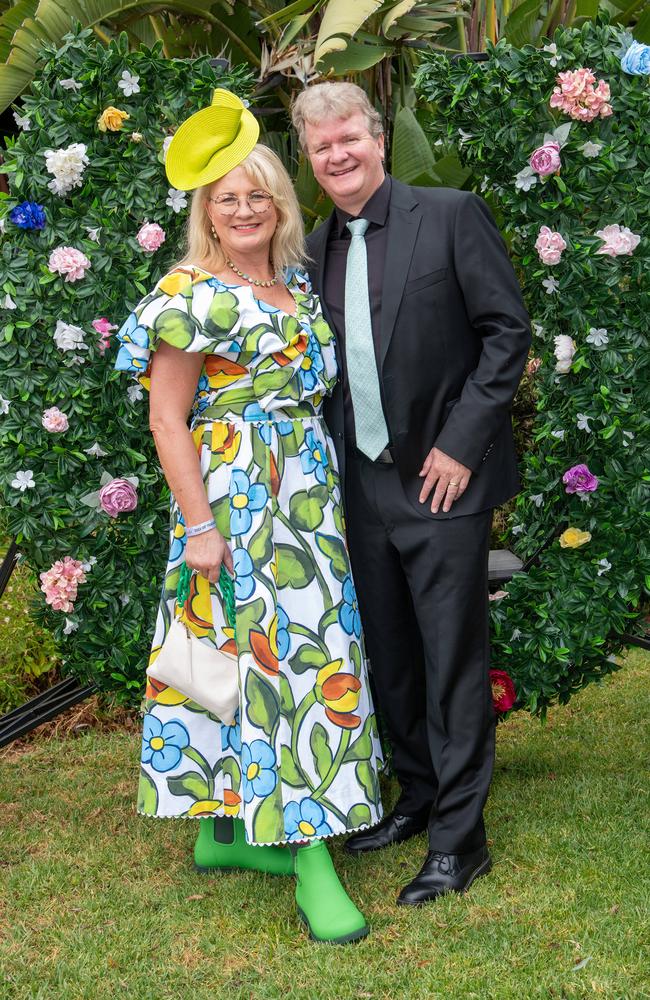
{"x": 199, "y": 529}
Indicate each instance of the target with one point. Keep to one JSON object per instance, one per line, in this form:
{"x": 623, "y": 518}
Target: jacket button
{"x": 340, "y": 435}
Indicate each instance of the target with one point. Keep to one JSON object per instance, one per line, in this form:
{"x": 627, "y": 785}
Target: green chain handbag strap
{"x": 226, "y": 586}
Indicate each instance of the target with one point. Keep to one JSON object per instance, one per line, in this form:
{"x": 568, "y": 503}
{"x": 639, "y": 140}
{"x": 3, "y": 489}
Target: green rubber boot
{"x": 221, "y": 846}
{"x": 323, "y": 903}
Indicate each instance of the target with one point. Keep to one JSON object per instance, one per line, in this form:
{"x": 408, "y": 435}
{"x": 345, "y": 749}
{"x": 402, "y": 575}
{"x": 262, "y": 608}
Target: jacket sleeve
{"x": 497, "y": 313}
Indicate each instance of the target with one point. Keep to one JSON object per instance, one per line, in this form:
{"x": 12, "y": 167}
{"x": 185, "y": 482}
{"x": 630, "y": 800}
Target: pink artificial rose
{"x": 54, "y": 420}
{"x": 151, "y": 236}
{"x": 69, "y": 262}
{"x": 577, "y": 97}
{"x": 578, "y": 479}
{"x": 617, "y": 240}
{"x": 103, "y": 326}
{"x": 118, "y": 497}
{"x": 549, "y": 246}
{"x": 59, "y": 583}
{"x": 546, "y": 159}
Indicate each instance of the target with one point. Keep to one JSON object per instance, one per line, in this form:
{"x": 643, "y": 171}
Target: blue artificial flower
{"x": 636, "y": 60}
{"x": 244, "y": 579}
{"x": 258, "y": 773}
{"x": 231, "y": 736}
{"x": 163, "y": 745}
{"x": 312, "y": 364}
{"x": 245, "y": 499}
{"x": 282, "y": 637}
{"x": 29, "y": 215}
{"x": 305, "y": 819}
{"x": 349, "y": 616}
{"x": 313, "y": 458}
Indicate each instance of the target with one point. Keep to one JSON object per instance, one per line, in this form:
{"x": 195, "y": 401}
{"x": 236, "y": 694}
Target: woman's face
{"x": 244, "y": 220}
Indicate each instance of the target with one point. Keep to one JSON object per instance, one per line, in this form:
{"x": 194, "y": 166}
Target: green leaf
{"x": 307, "y": 657}
{"x": 320, "y": 748}
{"x": 268, "y": 821}
{"x": 262, "y": 702}
{"x": 358, "y": 815}
{"x": 295, "y": 569}
{"x": 191, "y": 783}
{"x": 288, "y": 770}
{"x": 335, "y": 550}
{"x": 147, "y": 794}
{"x": 411, "y": 153}
{"x": 362, "y": 748}
{"x": 306, "y": 509}
{"x": 260, "y": 547}
{"x": 367, "y": 778}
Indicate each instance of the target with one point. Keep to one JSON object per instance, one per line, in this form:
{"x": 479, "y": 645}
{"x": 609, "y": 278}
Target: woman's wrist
{"x": 200, "y": 529}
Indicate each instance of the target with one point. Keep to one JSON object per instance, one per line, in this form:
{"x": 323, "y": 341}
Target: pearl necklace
{"x": 247, "y": 277}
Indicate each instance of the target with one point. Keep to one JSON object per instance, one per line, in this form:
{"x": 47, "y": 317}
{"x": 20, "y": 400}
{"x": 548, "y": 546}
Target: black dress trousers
{"x": 422, "y": 591}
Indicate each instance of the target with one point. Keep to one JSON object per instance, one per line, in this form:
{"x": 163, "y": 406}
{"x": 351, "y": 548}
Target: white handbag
{"x": 208, "y": 676}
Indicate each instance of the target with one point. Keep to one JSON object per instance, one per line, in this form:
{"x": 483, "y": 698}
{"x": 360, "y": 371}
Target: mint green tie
{"x": 369, "y": 423}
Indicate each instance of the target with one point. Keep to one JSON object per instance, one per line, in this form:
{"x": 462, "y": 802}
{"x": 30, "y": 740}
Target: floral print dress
{"x": 302, "y": 757}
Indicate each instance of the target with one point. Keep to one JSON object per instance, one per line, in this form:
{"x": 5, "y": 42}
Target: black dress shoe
{"x": 442, "y": 873}
{"x": 393, "y": 829}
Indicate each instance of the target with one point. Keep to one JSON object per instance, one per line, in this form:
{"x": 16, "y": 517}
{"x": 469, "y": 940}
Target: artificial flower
{"x": 70, "y": 84}
{"x": 70, "y": 626}
{"x": 68, "y": 337}
{"x": 604, "y": 566}
{"x": 577, "y": 96}
{"x": 22, "y": 121}
{"x": 559, "y": 434}
{"x": 28, "y": 215}
{"x": 545, "y": 160}
{"x": 24, "y": 480}
{"x": 54, "y": 420}
{"x": 525, "y": 179}
{"x": 118, "y": 496}
{"x": 504, "y": 694}
{"x": 176, "y": 200}
{"x": 8, "y": 302}
{"x": 636, "y": 61}
{"x": 151, "y": 236}
{"x": 552, "y": 50}
{"x": 134, "y": 392}
{"x": 574, "y": 538}
{"x": 95, "y": 451}
{"x": 590, "y": 149}
{"x": 4, "y": 406}
{"x": 93, "y": 234}
{"x": 136, "y": 137}
{"x": 551, "y": 285}
{"x": 67, "y": 165}
{"x": 165, "y": 146}
{"x": 578, "y": 479}
{"x": 534, "y": 366}
{"x": 549, "y": 246}
{"x": 129, "y": 84}
{"x": 68, "y": 262}
{"x": 111, "y": 119}
{"x": 597, "y": 337}
{"x": 582, "y": 421}
{"x": 60, "y": 583}
{"x": 537, "y": 499}
{"x": 617, "y": 240}
{"x": 564, "y": 350}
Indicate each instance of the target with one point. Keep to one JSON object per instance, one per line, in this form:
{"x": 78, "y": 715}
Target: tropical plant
{"x": 572, "y": 177}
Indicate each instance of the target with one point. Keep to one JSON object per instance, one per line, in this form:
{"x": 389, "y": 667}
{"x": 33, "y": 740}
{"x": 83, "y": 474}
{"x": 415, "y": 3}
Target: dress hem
{"x": 267, "y": 843}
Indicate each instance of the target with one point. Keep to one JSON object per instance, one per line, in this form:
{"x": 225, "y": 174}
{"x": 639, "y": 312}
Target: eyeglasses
{"x": 257, "y": 201}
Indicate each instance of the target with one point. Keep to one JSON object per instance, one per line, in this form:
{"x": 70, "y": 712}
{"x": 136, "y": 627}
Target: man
{"x": 432, "y": 340}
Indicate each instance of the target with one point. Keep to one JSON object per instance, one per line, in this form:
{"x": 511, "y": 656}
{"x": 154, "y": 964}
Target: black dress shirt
{"x": 376, "y": 212}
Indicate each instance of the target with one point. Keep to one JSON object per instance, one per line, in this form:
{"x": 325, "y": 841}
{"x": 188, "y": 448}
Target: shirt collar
{"x": 375, "y": 210}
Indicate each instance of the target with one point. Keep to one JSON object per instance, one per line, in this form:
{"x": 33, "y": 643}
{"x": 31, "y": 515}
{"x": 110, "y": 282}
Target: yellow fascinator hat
{"x": 211, "y": 142}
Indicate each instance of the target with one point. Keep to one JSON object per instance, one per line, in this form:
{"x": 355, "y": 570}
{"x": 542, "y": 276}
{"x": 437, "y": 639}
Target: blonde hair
{"x": 264, "y": 168}
{"x": 333, "y": 100}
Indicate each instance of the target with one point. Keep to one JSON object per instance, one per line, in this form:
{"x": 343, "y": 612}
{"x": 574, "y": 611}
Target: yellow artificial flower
{"x": 573, "y": 538}
{"x": 111, "y": 119}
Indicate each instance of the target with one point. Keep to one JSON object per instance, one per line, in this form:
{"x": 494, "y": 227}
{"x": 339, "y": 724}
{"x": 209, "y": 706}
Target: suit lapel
{"x": 318, "y": 251}
{"x": 403, "y": 225}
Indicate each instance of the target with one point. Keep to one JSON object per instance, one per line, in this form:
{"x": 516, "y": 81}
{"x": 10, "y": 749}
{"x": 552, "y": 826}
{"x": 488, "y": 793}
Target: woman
{"x": 234, "y": 336}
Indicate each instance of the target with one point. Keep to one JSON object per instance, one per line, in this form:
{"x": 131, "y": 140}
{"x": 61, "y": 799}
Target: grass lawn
{"x": 98, "y": 903}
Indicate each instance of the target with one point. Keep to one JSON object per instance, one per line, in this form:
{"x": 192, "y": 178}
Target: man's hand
{"x": 449, "y": 477}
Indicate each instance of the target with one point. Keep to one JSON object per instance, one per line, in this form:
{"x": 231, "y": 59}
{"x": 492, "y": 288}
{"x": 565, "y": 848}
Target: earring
{"x": 213, "y": 231}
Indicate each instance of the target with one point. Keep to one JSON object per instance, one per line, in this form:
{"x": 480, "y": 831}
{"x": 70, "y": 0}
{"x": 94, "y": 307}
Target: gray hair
{"x": 333, "y": 100}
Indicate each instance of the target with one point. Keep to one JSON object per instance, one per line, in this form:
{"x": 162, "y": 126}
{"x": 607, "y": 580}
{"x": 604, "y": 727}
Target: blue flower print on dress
{"x": 204, "y": 395}
{"x": 163, "y": 745}
{"x": 178, "y": 539}
{"x": 312, "y": 364}
{"x": 133, "y": 355}
{"x": 244, "y": 579}
{"x": 349, "y": 615}
{"x": 313, "y": 457}
{"x": 305, "y": 819}
{"x": 254, "y": 412}
{"x": 245, "y": 500}
{"x": 283, "y": 638}
{"x": 231, "y": 736}
{"x": 259, "y": 776}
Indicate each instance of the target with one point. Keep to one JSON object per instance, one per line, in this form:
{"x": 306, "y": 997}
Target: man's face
{"x": 347, "y": 162}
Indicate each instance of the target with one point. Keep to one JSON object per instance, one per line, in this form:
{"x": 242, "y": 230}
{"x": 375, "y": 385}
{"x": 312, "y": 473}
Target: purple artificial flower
{"x": 578, "y": 479}
{"x": 29, "y": 215}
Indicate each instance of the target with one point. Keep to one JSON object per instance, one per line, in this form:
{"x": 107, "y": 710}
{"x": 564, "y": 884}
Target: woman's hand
{"x": 204, "y": 554}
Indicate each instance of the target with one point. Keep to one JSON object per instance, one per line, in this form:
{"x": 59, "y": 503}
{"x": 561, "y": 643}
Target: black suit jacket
{"x": 453, "y": 343}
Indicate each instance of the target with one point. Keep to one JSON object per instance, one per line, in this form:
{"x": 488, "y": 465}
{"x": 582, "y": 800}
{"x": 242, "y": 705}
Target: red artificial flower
{"x": 503, "y": 691}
